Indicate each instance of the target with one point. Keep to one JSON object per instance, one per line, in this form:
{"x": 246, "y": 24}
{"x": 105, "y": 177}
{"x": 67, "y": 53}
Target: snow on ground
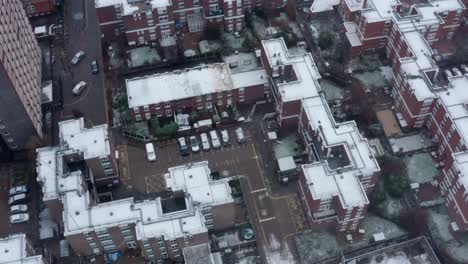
{"x": 143, "y": 55}
{"x": 410, "y": 143}
{"x": 291, "y": 24}
{"x": 207, "y": 46}
{"x": 314, "y": 246}
{"x": 278, "y": 253}
{"x": 387, "y": 72}
{"x": 315, "y": 31}
{"x": 259, "y": 27}
{"x": 390, "y": 208}
{"x": 332, "y": 90}
{"x": 231, "y": 41}
{"x": 439, "y": 222}
{"x": 421, "y": 168}
{"x": 372, "y": 80}
{"x": 287, "y": 146}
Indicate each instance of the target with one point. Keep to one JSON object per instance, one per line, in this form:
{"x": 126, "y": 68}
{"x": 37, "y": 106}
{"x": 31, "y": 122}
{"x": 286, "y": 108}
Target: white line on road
{"x": 267, "y": 219}
{"x": 258, "y": 190}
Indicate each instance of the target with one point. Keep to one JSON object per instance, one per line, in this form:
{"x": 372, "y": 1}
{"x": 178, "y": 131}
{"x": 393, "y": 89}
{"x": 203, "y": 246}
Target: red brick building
{"x": 39, "y": 7}
{"x": 144, "y": 22}
{"x": 159, "y": 228}
{"x": 343, "y": 170}
{"x": 425, "y": 96}
{"x": 200, "y": 88}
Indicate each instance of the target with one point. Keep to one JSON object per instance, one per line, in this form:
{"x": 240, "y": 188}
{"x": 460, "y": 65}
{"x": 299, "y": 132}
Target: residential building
{"x": 38, "y": 7}
{"x": 157, "y": 21}
{"x": 20, "y": 78}
{"x": 343, "y": 170}
{"x": 425, "y": 95}
{"x": 17, "y": 249}
{"x": 199, "y": 88}
{"x": 161, "y": 228}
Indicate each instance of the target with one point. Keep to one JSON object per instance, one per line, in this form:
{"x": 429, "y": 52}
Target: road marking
{"x": 267, "y": 219}
{"x": 258, "y": 190}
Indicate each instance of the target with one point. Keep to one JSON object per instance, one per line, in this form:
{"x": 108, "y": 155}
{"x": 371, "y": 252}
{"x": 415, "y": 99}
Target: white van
{"x": 150, "y": 152}
{"x": 79, "y": 88}
{"x": 225, "y": 137}
{"x": 205, "y": 142}
{"x": 214, "y": 139}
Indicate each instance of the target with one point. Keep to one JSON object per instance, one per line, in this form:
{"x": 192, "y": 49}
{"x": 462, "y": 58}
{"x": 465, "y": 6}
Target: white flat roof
{"x": 129, "y": 8}
{"x": 93, "y": 142}
{"x": 304, "y": 67}
{"x": 13, "y": 250}
{"x": 195, "y": 179}
{"x": 249, "y": 78}
{"x": 461, "y": 161}
{"x": 323, "y": 5}
{"x": 324, "y": 184}
{"x": 179, "y": 84}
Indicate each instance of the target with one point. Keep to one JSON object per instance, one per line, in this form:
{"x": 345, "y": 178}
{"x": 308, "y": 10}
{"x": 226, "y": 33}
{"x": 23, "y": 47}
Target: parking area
{"x": 275, "y": 210}
{"x": 15, "y": 174}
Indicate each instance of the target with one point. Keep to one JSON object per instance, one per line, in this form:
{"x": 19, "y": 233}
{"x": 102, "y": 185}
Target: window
{"x": 241, "y": 98}
{"x": 163, "y": 19}
{"x": 165, "y": 33}
{"x": 220, "y": 102}
{"x": 167, "y": 105}
{"x": 208, "y": 97}
{"x": 241, "y": 90}
{"x": 209, "y": 105}
{"x": 229, "y": 93}
{"x": 162, "y": 11}
{"x": 168, "y": 112}
{"x": 220, "y": 94}
{"x": 141, "y": 40}
{"x": 196, "y": 3}
{"x": 181, "y": 5}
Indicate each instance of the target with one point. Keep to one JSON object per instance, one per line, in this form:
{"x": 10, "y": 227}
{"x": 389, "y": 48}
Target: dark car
{"x": 94, "y": 67}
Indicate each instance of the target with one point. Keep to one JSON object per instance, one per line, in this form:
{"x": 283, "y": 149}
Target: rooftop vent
{"x": 77, "y": 213}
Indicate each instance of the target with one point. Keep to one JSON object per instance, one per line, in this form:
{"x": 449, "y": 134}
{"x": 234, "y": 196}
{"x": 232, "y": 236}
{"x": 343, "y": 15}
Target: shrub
{"x": 325, "y": 40}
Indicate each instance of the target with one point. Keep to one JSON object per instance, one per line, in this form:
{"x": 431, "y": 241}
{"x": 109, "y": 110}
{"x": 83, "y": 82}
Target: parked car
{"x": 79, "y": 87}
{"x": 448, "y": 74}
{"x": 78, "y": 57}
{"x": 194, "y": 144}
{"x": 183, "y": 148}
{"x": 18, "y": 190}
{"x": 456, "y": 71}
{"x": 464, "y": 68}
{"x": 19, "y": 208}
{"x": 150, "y": 152}
{"x": 240, "y": 135}
{"x": 215, "y": 139}
{"x": 17, "y": 198}
{"x": 205, "y": 142}
{"x": 94, "y": 67}
{"x": 19, "y": 218}
{"x": 225, "y": 138}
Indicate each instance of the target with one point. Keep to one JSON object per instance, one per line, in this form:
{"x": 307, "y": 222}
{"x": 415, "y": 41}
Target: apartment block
{"x": 342, "y": 168}
{"x": 199, "y": 88}
{"x": 159, "y": 228}
{"x": 20, "y": 78}
{"x": 156, "y": 21}
{"x": 38, "y": 7}
{"x": 425, "y": 96}
{"x": 18, "y": 249}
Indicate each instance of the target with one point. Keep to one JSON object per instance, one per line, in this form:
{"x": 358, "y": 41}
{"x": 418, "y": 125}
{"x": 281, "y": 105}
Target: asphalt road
{"x": 82, "y": 34}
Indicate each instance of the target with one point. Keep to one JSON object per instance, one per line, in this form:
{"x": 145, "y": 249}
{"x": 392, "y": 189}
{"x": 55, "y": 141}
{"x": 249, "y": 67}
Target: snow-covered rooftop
{"x": 304, "y": 68}
{"x": 195, "y": 179}
{"x": 93, "y": 142}
{"x": 129, "y": 7}
{"x": 179, "y": 84}
{"x": 14, "y": 250}
{"x": 323, "y": 5}
{"x": 249, "y": 78}
{"x": 81, "y": 214}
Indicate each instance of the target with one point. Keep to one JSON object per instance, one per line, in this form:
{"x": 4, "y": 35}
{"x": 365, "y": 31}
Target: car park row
{"x": 205, "y": 141}
{"x": 18, "y": 197}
